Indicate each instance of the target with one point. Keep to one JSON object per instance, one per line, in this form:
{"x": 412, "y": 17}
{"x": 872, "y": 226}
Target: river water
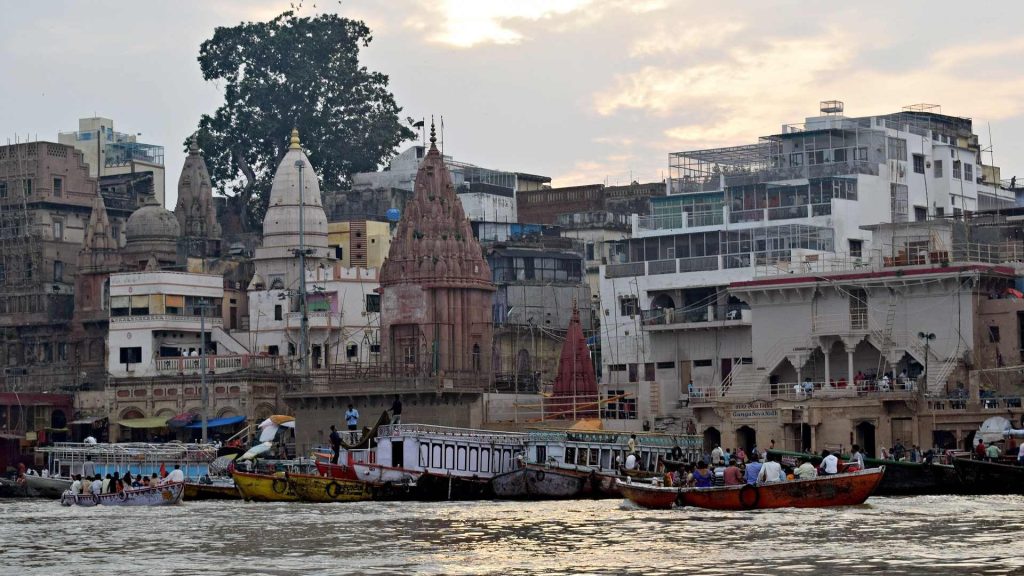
{"x": 922, "y": 535}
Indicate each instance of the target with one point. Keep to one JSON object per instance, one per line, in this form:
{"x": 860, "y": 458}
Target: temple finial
{"x": 433, "y": 134}
{"x": 193, "y": 145}
{"x": 295, "y": 140}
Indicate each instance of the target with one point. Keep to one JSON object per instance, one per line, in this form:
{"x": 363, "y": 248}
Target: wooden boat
{"x": 13, "y": 488}
{"x": 649, "y": 495}
{"x": 983, "y": 477}
{"x": 340, "y": 471}
{"x": 218, "y": 490}
{"x": 834, "y": 490}
{"x": 310, "y": 488}
{"x": 902, "y": 478}
{"x": 47, "y": 487}
{"x": 264, "y": 487}
{"x": 535, "y": 481}
{"x": 163, "y": 495}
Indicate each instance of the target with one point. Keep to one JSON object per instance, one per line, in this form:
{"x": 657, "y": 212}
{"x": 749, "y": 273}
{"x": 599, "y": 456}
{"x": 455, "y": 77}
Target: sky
{"x": 583, "y": 91}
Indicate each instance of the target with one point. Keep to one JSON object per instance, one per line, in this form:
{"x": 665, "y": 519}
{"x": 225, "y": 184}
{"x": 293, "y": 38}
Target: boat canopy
{"x": 154, "y": 422}
{"x": 217, "y": 422}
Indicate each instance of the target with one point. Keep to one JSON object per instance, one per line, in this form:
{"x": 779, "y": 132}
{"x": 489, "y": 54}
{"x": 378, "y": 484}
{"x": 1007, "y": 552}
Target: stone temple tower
{"x": 436, "y": 286}
{"x": 197, "y": 217}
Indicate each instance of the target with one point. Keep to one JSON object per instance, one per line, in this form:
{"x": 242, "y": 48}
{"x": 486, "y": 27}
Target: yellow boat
{"x": 310, "y": 488}
{"x": 264, "y": 487}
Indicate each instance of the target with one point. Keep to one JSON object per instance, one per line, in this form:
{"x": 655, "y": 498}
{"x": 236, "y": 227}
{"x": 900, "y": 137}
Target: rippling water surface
{"x": 923, "y": 535}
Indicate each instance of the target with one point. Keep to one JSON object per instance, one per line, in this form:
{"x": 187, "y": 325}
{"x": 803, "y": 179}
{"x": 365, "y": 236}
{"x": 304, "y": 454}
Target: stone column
{"x": 826, "y": 349}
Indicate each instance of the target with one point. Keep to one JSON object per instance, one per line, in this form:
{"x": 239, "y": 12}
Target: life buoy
{"x": 96, "y": 499}
{"x": 677, "y": 453}
{"x": 333, "y": 489}
{"x": 279, "y": 485}
{"x": 749, "y": 496}
{"x": 540, "y": 475}
{"x": 122, "y": 496}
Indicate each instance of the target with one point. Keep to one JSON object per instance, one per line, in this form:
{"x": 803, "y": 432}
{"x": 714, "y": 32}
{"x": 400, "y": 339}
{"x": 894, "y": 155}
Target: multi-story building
{"x": 110, "y": 153}
{"x": 360, "y": 243}
{"x": 547, "y": 205}
{"x": 792, "y": 201}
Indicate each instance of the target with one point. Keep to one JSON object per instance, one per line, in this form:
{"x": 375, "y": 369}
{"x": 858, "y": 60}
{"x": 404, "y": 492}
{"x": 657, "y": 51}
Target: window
{"x": 58, "y": 271}
{"x": 861, "y": 154}
{"x": 938, "y": 168}
{"x": 858, "y": 309}
{"x": 273, "y": 350}
{"x": 58, "y": 230}
{"x": 352, "y": 350}
{"x": 628, "y": 306}
{"x": 339, "y": 252}
{"x": 796, "y": 159}
{"x": 373, "y": 302}
{"x": 476, "y": 357}
{"x": 856, "y": 248}
{"x": 374, "y": 348}
{"x": 666, "y": 365}
{"x": 898, "y": 202}
{"x": 956, "y": 169}
{"x": 919, "y": 163}
{"x": 920, "y": 213}
{"x": 590, "y": 250}
{"x": 3, "y": 274}
{"x": 616, "y": 367}
{"x": 649, "y": 372}
{"x": 702, "y": 363}
{"x": 277, "y": 312}
{"x": 27, "y": 186}
{"x": 58, "y": 187}
{"x": 3, "y": 189}
{"x": 969, "y": 172}
{"x": 897, "y": 148}
{"x": 131, "y": 355}
{"x": 633, "y": 373}
{"x": 993, "y": 333}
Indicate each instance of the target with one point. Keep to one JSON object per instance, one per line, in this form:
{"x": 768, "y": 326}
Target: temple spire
{"x": 295, "y": 145}
{"x": 433, "y": 134}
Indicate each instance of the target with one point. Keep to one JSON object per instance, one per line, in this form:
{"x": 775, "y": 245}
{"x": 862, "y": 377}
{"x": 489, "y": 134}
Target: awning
{"x": 155, "y": 422}
{"x": 216, "y": 422}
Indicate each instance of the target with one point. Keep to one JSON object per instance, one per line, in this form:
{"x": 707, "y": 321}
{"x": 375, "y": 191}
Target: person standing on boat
{"x": 716, "y": 455}
{"x": 335, "y": 445}
{"x": 631, "y": 444}
{"x": 857, "y": 457}
{"x": 89, "y": 468}
{"x": 993, "y": 452}
{"x": 396, "y": 410}
{"x": 176, "y": 475}
{"x": 352, "y": 420}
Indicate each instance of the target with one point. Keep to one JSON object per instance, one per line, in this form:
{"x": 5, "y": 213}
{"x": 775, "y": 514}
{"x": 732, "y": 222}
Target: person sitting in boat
{"x": 856, "y": 459}
{"x": 829, "y": 463}
{"x": 703, "y": 477}
{"x": 76, "y": 486}
{"x": 176, "y": 475}
{"x": 115, "y": 481}
{"x": 732, "y": 475}
{"x": 805, "y": 470}
{"x": 631, "y": 461}
{"x": 97, "y": 485}
{"x": 126, "y": 482}
{"x": 771, "y": 471}
{"x": 752, "y": 470}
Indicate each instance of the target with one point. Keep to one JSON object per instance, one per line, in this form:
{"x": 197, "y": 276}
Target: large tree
{"x": 293, "y": 73}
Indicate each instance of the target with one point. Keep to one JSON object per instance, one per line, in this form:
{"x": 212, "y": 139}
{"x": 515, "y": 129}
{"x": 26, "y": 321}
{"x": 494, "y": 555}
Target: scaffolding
{"x": 21, "y": 246}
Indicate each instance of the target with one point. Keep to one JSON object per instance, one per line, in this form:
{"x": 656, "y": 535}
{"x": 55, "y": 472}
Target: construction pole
{"x": 202, "y": 366}
{"x": 304, "y": 328}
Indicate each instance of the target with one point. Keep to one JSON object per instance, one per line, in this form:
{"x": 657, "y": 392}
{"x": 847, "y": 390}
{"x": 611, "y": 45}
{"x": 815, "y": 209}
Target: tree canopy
{"x": 289, "y": 73}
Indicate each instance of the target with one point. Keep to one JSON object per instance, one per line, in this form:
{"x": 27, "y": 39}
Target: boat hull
{"x": 264, "y": 487}
{"x": 164, "y": 495}
{"x": 538, "y": 483}
{"x": 824, "y": 491}
{"x": 339, "y": 471}
{"x": 648, "y": 495}
{"x": 983, "y": 477}
{"x": 323, "y": 489}
{"x": 200, "y": 491}
{"x": 41, "y": 487}
{"x": 904, "y": 478}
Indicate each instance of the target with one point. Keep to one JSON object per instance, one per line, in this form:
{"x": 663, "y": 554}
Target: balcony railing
{"x": 218, "y": 364}
{"x": 667, "y": 316}
{"x": 210, "y": 320}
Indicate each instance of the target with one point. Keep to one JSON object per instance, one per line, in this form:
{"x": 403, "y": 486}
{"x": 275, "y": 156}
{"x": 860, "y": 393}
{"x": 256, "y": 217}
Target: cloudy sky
{"x": 580, "y": 90}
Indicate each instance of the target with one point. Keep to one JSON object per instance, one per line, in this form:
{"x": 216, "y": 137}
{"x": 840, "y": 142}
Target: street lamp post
{"x": 927, "y": 337}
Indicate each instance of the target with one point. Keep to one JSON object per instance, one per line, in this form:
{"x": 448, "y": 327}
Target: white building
{"x": 156, "y": 315}
{"x": 110, "y": 153}
{"x": 793, "y": 201}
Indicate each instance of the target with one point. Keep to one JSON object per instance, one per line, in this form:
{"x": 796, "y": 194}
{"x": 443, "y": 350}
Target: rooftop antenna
{"x": 442, "y": 136}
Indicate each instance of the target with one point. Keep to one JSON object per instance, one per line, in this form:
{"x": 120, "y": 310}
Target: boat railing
{"x": 466, "y": 433}
{"x": 138, "y": 451}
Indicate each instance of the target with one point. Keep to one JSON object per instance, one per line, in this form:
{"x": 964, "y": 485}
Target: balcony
{"x": 178, "y": 321}
{"x": 702, "y": 318}
{"x": 218, "y": 364}
{"x": 317, "y": 319}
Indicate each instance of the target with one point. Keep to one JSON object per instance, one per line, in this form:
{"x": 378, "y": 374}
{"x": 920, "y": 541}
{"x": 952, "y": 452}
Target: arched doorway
{"x": 864, "y": 432}
{"x": 969, "y": 442}
{"x": 805, "y": 437}
{"x": 662, "y": 301}
{"x": 746, "y": 438}
{"x": 712, "y": 438}
{"x": 58, "y": 420}
{"x": 944, "y": 439}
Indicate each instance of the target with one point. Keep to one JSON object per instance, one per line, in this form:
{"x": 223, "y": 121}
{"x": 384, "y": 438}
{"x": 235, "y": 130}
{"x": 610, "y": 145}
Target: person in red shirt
{"x": 733, "y": 476}
{"x": 979, "y": 450}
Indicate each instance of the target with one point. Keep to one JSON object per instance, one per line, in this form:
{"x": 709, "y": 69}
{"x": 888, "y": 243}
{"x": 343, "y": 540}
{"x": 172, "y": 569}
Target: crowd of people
{"x": 721, "y": 467}
{"x": 114, "y": 483}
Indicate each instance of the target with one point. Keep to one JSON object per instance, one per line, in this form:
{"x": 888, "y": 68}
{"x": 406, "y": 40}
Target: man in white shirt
{"x": 176, "y": 475}
{"x": 76, "y": 486}
{"x": 631, "y": 462}
{"x": 716, "y": 455}
{"x": 829, "y": 463}
{"x": 857, "y": 457}
{"x": 771, "y": 471}
{"x": 97, "y": 485}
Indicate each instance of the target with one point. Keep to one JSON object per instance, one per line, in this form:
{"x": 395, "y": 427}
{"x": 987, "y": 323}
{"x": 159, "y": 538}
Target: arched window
{"x": 476, "y": 357}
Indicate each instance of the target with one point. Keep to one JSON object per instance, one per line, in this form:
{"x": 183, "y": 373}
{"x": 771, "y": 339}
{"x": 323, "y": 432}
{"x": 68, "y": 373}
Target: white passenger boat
{"x": 65, "y": 459}
{"x": 162, "y": 495}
